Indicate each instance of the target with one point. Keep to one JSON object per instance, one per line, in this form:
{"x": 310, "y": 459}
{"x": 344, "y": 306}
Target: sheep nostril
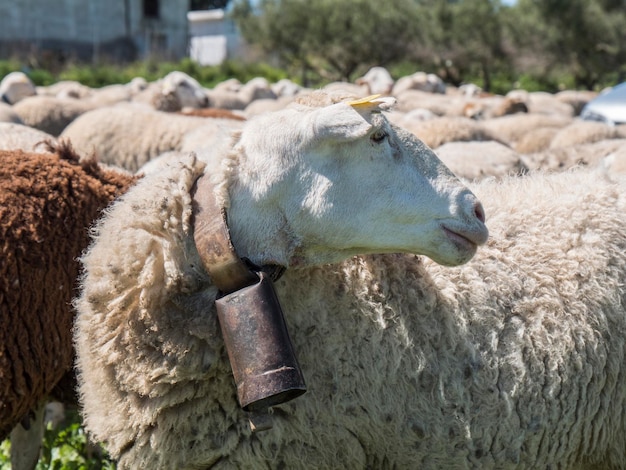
{"x": 479, "y": 212}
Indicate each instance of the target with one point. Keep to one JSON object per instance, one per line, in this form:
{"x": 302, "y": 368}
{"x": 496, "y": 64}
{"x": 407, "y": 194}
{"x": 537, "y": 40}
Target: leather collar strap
{"x": 228, "y": 271}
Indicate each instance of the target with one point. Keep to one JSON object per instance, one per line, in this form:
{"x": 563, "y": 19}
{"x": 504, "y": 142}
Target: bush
{"x": 65, "y": 448}
{"x": 151, "y": 70}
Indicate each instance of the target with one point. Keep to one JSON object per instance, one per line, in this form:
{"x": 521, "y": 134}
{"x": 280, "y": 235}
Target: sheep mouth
{"x": 464, "y": 240}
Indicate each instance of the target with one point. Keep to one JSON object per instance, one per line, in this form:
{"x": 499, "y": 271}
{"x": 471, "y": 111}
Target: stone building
{"x": 94, "y": 30}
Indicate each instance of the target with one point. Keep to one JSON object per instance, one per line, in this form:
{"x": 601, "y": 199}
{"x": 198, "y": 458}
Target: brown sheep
{"x": 47, "y": 204}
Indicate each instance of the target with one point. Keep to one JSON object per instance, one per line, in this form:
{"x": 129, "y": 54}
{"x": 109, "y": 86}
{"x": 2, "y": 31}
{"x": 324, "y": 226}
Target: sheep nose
{"x": 479, "y": 211}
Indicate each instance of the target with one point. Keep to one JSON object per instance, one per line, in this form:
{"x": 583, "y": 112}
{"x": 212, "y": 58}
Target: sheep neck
{"x": 228, "y": 270}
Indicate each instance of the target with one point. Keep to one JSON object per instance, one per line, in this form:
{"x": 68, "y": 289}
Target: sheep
{"x": 477, "y": 160}
{"x": 286, "y": 88}
{"x": 237, "y": 96}
{"x": 535, "y": 140}
{"x": 174, "y": 92}
{"x": 577, "y": 99}
{"x": 47, "y": 203}
{"x": 160, "y": 161}
{"x": 582, "y": 132}
{"x": 21, "y": 137}
{"x": 513, "y": 127}
{"x": 615, "y": 163}
{"x": 306, "y": 167}
{"x": 378, "y": 80}
{"x": 208, "y": 136}
{"x": 7, "y": 114}
{"x": 440, "y": 104}
{"x": 563, "y": 158}
{"x": 440, "y": 130}
{"x": 212, "y": 113}
{"x": 428, "y": 82}
{"x": 16, "y": 86}
{"x": 512, "y": 360}
{"x": 128, "y": 135}
{"x": 65, "y": 89}
{"x": 346, "y": 87}
{"x": 542, "y": 102}
{"x": 265, "y": 105}
{"x": 50, "y": 114}
{"x": 493, "y": 107}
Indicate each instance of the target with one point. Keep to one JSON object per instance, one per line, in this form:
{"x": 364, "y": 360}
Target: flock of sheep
{"x": 426, "y": 341}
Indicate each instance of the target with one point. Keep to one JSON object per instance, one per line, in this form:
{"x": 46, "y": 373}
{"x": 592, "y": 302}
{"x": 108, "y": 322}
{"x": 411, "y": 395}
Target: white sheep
{"x": 15, "y": 136}
{"x": 535, "y": 140}
{"x": 128, "y": 135}
{"x": 8, "y": 114}
{"x": 286, "y": 88}
{"x": 440, "y": 104}
{"x": 542, "y": 102}
{"x": 563, "y": 158}
{"x": 234, "y": 95}
{"x": 51, "y": 114}
{"x": 303, "y": 187}
{"x": 16, "y": 86}
{"x": 513, "y": 127}
{"x": 577, "y": 99}
{"x": 378, "y": 80}
{"x": 615, "y": 162}
{"x": 428, "y": 82}
{"x": 514, "y": 360}
{"x": 173, "y": 92}
{"x": 477, "y": 160}
{"x": 65, "y": 89}
{"x": 265, "y": 105}
{"x": 586, "y": 132}
{"x": 487, "y": 107}
{"x": 442, "y": 129}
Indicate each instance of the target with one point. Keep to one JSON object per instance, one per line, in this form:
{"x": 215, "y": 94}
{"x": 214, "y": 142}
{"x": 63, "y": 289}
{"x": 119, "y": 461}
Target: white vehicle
{"x": 609, "y": 107}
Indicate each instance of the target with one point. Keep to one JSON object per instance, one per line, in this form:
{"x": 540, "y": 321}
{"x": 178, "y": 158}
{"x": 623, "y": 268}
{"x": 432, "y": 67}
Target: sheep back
{"x": 47, "y": 203}
{"x": 128, "y": 135}
{"x": 50, "y": 114}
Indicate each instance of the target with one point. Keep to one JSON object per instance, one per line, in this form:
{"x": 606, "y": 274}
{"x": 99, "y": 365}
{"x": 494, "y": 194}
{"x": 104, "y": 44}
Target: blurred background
{"x": 499, "y": 45}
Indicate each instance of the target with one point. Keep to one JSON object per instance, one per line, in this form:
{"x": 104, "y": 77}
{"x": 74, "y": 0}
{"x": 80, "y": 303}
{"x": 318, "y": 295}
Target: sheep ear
{"x": 374, "y": 103}
{"x": 340, "y": 121}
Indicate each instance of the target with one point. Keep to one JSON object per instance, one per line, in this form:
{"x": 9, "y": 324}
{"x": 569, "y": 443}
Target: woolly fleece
{"x": 47, "y": 203}
{"x": 513, "y": 360}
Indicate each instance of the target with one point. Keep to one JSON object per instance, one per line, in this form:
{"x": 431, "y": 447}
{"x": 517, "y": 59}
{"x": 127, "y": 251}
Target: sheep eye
{"x": 378, "y": 136}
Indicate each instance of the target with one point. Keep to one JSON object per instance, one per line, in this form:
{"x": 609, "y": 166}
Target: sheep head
{"x": 16, "y": 86}
{"x": 186, "y": 90}
{"x": 310, "y": 185}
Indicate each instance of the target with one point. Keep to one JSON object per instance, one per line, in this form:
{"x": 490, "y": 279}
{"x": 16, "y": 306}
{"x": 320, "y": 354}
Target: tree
{"x": 587, "y": 38}
{"x": 337, "y": 40}
{"x": 462, "y": 38}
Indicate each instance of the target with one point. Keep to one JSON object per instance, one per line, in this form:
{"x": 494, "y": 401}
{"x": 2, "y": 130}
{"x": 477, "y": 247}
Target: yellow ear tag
{"x": 363, "y": 101}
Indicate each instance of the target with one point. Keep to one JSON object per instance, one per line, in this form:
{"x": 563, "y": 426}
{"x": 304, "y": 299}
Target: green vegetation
{"x": 546, "y": 43}
{"x": 107, "y": 74}
{"x": 65, "y": 448}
